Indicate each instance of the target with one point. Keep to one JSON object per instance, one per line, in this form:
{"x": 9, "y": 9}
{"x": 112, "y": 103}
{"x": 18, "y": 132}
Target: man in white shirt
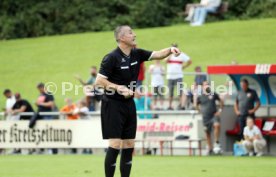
{"x": 9, "y": 104}
{"x": 175, "y": 65}
{"x": 157, "y": 72}
{"x": 253, "y": 139}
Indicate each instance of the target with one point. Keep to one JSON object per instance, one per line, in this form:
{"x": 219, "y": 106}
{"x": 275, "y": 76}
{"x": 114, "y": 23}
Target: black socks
{"x": 126, "y": 162}
{"x": 110, "y": 161}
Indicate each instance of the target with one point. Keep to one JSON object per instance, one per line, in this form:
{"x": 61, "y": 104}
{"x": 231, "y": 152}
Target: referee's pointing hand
{"x": 175, "y": 51}
{"x": 123, "y": 90}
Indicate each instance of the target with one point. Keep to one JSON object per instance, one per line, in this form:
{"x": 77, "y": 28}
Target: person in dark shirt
{"x": 44, "y": 102}
{"x": 207, "y": 104}
{"x": 94, "y": 95}
{"x": 247, "y": 103}
{"x": 199, "y": 78}
{"x": 118, "y": 75}
{"x": 20, "y": 106}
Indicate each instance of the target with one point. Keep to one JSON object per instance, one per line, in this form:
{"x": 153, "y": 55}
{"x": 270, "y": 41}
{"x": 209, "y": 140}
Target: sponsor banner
{"x": 86, "y": 133}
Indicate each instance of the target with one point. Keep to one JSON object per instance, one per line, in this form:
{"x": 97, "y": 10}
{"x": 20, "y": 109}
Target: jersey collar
{"x": 122, "y": 53}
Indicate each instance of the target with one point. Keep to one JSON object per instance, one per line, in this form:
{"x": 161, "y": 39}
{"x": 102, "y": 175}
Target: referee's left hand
{"x": 126, "y": 92}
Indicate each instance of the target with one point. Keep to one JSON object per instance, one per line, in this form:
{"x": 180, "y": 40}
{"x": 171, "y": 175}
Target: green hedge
{"x": 32, "y": 18}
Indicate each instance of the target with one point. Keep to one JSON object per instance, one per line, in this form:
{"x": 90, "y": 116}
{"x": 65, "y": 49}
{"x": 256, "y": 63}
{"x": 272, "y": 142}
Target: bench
{"x": 167, "y": 137}
{"x": 222, "y": 9}
{"x": 270, "y": 133}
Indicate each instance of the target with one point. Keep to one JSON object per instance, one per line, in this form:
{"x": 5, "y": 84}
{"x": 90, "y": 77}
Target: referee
{"x": 118, "y": 75}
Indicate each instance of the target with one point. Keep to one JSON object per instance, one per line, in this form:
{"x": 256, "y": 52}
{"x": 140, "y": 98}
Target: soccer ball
{"x": 217, "y": 150}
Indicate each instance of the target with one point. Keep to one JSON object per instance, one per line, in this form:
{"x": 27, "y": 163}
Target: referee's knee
{"x": 115, "y": 143}
{"x": 128, "y": 144}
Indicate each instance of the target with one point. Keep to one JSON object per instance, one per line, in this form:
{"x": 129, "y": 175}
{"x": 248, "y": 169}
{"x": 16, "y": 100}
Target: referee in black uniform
{"x": 118, "y": 75}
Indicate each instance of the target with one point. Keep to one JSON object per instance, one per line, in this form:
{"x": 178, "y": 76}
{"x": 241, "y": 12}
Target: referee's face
{"x": 128, "y": 36}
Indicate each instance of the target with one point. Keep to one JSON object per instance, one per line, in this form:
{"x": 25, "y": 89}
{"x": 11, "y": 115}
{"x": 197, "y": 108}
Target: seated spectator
{"x": 253, "y": 139}
{"x": 69, "y": 109}
{"x": 82, "y": 110}
{"x": 200, "y": 12}
{"x": 95, "y": 95}
{"x": 157, "y": 72}
{"x": 142, "y": 103}
{"x": 191, "y": 10}
{"x": 10, "y": 101}
{"x": 20, "y": 106}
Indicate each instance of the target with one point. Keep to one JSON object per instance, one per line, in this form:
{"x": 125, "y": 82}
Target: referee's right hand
{"x": 126, "y": 92}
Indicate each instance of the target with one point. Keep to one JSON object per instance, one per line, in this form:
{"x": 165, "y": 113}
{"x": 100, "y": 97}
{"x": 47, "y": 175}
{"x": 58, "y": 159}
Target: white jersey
{"x": 10, "y": 102}
{"x": 252, "y": 132}
{"x": 174, "y": 66}
{"x": 157, "y": 72}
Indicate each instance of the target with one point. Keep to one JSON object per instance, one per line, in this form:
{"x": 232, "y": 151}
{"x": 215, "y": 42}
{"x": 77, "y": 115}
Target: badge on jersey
{"x": 248, "y": 95}
{"x": 210, "y": 97}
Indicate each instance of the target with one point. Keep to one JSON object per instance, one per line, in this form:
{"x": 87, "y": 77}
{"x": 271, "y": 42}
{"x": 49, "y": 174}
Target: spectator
{"x": 141, "y": 75}
{"x": 199, "y": 78}
{"x": 82, "y": 110}
{"x": 45, "y": 102}
{"x": 93, "y": 97}
{"x": 244, "y": 106}
{"x": 69, "y": 109}
{"x": 206, "y": 103}
{"x": 157, "y": 72}
{"x": 191, "y": 11}
{"x": 20, "y": 106}
{"x": 253, "y": 138}
{"x": 175, "y": 65}
{"x": 200, "y": 12}
{"x": 10, "y": 101}
{"x": 142, "y": 103}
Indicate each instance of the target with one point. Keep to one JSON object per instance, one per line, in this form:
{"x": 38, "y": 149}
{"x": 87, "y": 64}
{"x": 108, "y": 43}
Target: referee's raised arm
{"x": 164, "y": 53}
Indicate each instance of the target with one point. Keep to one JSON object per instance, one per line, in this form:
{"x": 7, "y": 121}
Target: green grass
{"x": 92, "y": 166}
{"x": 26, "y": 62}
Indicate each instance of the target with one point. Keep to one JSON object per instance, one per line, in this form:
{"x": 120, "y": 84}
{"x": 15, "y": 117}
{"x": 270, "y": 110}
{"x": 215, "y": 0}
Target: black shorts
{"x": 209, "y": 123}
{"x": 119, "y": 119}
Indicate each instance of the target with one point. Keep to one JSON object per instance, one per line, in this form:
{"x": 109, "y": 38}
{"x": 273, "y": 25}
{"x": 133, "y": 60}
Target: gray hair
{"x": 118, "y": 32}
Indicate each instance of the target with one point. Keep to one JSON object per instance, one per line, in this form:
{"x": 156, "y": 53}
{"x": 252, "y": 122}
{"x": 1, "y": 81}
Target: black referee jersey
{"x": 121, "y": 69}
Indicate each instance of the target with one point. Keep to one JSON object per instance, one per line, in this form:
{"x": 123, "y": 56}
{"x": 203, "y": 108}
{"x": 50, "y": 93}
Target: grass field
{"x": 92, "y": 166}
{"x": 26, "y": 62}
